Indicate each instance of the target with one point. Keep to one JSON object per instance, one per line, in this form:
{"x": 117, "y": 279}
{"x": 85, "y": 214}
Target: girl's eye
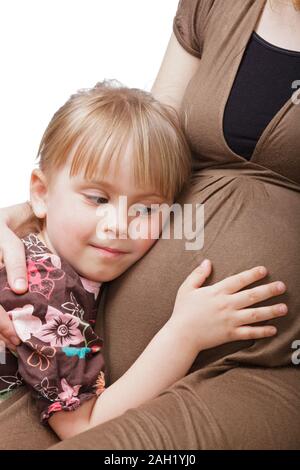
{"x": 97, "y": 199}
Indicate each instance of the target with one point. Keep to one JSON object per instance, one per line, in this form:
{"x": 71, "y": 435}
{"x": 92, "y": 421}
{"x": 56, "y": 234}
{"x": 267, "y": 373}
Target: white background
{"x": 50, "y": 48}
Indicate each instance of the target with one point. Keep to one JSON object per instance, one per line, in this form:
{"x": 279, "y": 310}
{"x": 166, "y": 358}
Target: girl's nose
{"x": 114, "y": 222}
{"x": 118, "y": 229}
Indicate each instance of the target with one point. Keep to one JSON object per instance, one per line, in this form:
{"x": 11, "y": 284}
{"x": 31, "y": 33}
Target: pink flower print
{"x": 37, "y": 250}
{"x": 42, "y": 276}
{"x": 95, "y": 349}
{"x": 69, "y": 394}
{"x": 60, "y": 329}
{"x": 54, "y": 259}
{"x": 91, "y": 286}
{"x": 41, "y": 356}
{"x": 100, "y": 383}
{"x": 25, "y": 322}
{"x": 53, "y": 408}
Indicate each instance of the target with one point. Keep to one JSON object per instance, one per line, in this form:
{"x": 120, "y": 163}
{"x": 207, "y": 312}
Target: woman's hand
{"x": 217, "y": 314}
{"x": 12, "y": 253}
{"x": 7, "y": 331}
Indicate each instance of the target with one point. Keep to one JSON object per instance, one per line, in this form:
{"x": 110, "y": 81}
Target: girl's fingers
{"x": 257, "y": 294}
{"x": 255, "y": 315}
{"x": 251, "y": 332}
{"x": 197, "y": 277}
{"x": 237, "y": 282}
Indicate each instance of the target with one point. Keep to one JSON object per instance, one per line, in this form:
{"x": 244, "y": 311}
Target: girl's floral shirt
{"x": 60, "y": 357}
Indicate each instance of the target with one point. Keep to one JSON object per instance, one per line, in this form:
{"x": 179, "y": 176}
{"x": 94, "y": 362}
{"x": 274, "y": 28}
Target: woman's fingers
{"x": 197, "y": 277}
{"x": 255, "y": 315}
{"x": 257, "y": 294}
{"x": 14, "y": 259}
{"x": 7, "y": 329}
{"x": 238, "y": 281}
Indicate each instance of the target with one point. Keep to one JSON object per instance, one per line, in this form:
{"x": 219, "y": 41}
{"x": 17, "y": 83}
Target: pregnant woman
{"x": 231, "y": 69}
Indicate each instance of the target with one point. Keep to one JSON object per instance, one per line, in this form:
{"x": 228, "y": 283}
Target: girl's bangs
{"x": 100, "y": 149}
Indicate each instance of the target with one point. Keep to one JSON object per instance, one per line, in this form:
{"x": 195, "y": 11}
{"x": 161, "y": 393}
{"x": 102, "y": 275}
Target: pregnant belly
{"x": 251, "y": 218}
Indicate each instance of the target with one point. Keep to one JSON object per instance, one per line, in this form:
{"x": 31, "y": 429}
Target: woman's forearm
{"x": 13, "y": 216}
{"x": 166, "y": 359}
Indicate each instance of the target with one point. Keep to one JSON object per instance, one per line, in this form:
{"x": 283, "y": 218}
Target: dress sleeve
{"x": 189, "y": 24}
{"x": 60, "y": 357}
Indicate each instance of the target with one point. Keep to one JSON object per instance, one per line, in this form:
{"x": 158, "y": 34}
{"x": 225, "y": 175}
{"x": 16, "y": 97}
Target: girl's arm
{"x": 164, "y": 361}
{"x": 201, "y": 319}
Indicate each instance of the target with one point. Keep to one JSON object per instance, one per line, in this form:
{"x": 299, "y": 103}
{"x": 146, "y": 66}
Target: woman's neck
{"x": 279, "y": 24}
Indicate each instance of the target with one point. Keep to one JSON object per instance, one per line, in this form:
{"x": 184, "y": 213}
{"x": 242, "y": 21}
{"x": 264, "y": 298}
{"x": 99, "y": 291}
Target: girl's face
{"x": 86, "y": 218}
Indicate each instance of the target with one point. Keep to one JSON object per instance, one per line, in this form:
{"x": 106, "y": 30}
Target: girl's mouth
{"x": 109, "y": 252}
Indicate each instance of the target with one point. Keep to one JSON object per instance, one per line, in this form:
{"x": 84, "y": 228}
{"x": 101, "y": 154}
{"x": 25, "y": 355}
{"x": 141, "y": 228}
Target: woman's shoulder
{"x": 193, "y": 18}
{"x": 189, "y": 24}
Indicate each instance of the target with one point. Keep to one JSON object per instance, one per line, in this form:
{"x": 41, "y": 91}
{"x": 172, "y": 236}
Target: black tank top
{"x": 262, "y": 86}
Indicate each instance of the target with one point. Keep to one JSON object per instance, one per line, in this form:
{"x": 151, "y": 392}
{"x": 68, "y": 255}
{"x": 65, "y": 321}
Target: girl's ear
{"x": 38, "y": 193}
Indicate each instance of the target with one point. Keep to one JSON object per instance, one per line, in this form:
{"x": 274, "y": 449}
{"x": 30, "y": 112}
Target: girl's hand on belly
{"x": 217, "y": 314}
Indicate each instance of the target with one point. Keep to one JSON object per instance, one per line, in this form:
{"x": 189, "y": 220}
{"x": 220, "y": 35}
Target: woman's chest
{"x": 279, "y": 24}
{"x": 278, "y": 147}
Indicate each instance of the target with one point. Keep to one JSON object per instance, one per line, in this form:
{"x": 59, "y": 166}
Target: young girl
{"x": 103, "y": 145}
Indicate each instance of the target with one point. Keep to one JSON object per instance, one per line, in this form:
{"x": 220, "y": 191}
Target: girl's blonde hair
{"x": 95, "y": 125}
{"x": 296, "y": 4}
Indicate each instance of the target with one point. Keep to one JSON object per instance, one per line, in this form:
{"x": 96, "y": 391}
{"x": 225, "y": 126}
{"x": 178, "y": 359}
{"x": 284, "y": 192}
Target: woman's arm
{"x": 201, "y": 319}
{"x": 15, "y": 215}
{"x": 176, "y": 70}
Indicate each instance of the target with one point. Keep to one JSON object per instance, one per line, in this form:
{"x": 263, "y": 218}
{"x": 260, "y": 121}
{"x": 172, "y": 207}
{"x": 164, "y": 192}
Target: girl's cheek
{"x": 69, "y": 216}
{"x": 150, "y": 232}
{"x": 155, "y": 227}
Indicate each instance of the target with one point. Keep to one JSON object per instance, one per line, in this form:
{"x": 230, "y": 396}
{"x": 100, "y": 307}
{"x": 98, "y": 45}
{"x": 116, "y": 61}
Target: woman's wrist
{"x": 176, "y": 327}
{"x": 13, "y": 216}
